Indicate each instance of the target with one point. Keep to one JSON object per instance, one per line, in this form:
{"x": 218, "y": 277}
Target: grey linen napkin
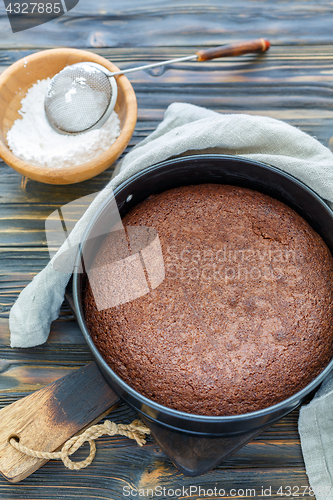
{"x": 188, "y": 129}
{"x": 315, "y": 426}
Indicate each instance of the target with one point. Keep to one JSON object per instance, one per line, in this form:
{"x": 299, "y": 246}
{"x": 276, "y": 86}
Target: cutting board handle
{"x": 47, "y": 418}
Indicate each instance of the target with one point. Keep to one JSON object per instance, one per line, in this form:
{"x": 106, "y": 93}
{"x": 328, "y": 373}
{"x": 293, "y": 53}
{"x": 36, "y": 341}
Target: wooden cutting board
{"x": 47, "y": 418}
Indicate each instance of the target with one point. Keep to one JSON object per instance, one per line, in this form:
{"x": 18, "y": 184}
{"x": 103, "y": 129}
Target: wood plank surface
{"x": 292, "y": 82}
{"x": 178, "y": 23}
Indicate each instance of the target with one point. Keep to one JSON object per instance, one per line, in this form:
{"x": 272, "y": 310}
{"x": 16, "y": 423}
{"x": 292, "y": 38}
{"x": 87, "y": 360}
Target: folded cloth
{"x": 185, "y": 130}
{"x": 315, "y": 427}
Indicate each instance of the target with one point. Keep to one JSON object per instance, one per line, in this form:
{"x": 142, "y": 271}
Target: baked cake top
{"x": 243, "y": 317}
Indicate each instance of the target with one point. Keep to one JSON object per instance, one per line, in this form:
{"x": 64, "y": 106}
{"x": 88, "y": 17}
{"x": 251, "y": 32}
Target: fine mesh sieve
{"x": 82, "y": 96}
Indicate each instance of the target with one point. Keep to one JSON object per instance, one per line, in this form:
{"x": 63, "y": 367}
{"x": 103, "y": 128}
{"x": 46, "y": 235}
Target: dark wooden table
{"x": 292, "y": 82}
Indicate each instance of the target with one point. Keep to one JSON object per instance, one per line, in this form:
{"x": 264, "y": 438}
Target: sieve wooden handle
{"x": 47, "y": 418}
{"x": 234, "y": 49}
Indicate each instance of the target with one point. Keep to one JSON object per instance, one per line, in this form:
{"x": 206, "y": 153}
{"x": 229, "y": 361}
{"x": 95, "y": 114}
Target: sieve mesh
{"x": 77, "y": 98}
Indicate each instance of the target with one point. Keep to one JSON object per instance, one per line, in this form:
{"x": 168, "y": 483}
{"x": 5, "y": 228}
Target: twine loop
{"x": 136, "y": 430}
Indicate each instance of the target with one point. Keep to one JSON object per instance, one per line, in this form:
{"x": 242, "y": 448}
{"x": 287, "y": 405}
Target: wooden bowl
{"x": 19, "y": 77}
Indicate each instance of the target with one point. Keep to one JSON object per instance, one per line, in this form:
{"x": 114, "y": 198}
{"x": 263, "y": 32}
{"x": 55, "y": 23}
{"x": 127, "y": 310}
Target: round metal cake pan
{"x": 192, "y": 170}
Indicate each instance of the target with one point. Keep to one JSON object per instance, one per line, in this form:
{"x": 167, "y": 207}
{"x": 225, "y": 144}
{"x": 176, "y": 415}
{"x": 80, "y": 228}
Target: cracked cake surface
{"x": 243, "y": 317}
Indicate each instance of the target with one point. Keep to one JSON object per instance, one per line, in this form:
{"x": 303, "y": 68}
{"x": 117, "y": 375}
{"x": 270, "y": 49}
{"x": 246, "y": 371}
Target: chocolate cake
{"x": 241, "y": 316}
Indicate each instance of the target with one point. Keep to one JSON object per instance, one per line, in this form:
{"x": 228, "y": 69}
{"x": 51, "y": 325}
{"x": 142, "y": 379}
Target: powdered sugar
{"x": 32, "y": 138}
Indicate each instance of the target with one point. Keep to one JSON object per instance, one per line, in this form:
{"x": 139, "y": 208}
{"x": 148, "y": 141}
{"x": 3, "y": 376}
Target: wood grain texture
{"x": 177, "y": 23}
{"x": 45, "y": 419}
{"x": 292, "y": 81}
